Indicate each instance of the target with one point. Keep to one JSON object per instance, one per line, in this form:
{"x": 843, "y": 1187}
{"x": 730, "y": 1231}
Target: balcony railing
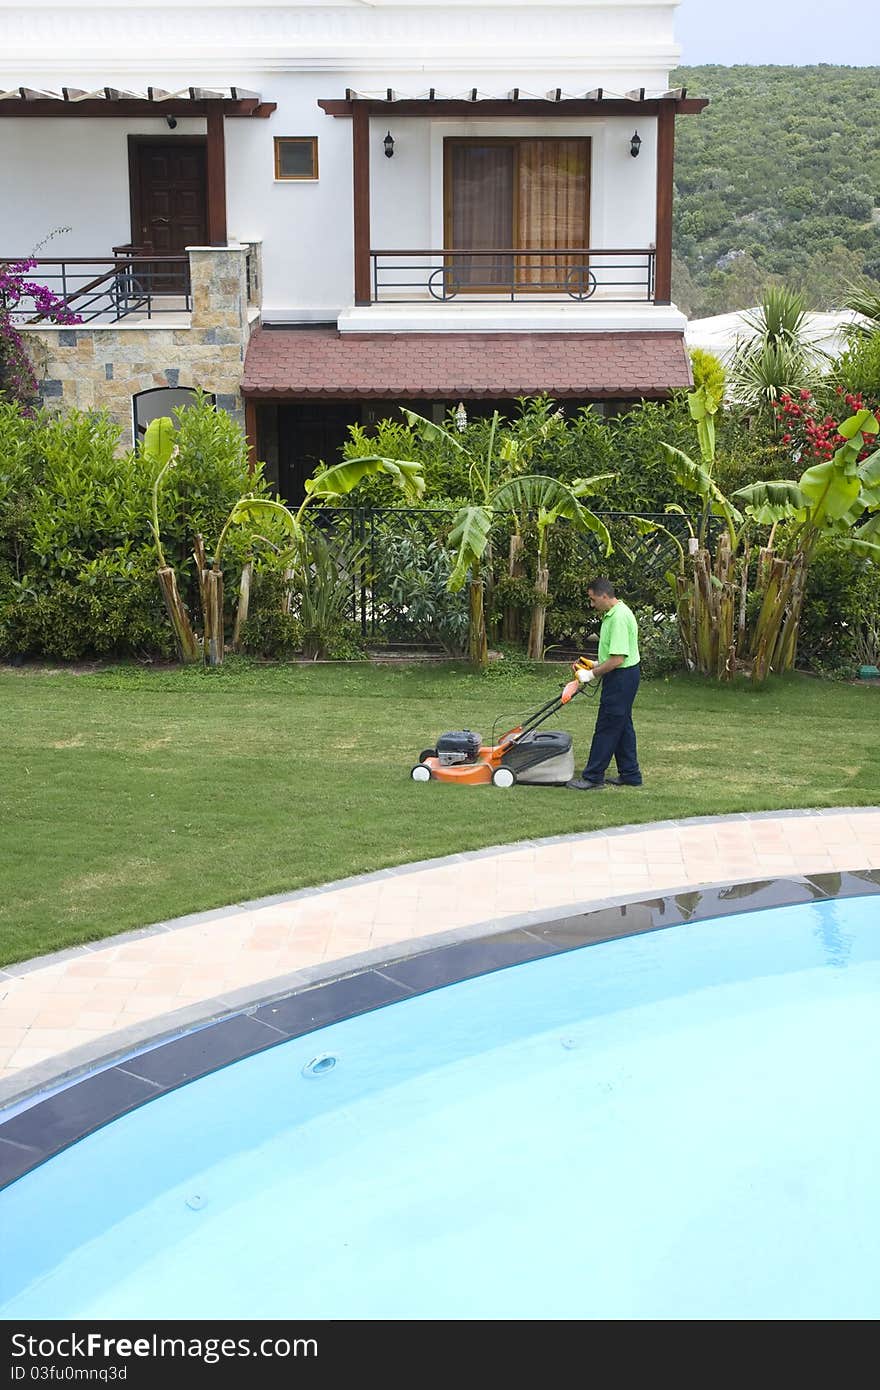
{"x": 514, "y": 274}
{"x": 110, "y": 288}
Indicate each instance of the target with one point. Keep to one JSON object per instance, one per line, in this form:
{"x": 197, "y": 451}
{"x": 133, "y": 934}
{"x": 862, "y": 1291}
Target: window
{"x": 515, "y": 196}
{"x": 159, "y": 400}
{"x": 296, "y": 157}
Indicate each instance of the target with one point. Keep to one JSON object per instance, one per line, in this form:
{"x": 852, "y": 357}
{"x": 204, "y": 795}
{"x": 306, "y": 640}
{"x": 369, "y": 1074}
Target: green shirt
{"x": 619, "y": 635}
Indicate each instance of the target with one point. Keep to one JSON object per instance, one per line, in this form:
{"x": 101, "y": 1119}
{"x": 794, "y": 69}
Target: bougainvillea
{"x": 17, "y": 377}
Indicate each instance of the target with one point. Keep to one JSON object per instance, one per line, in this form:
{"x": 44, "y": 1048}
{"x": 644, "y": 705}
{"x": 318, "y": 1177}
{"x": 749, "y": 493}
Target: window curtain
{"x": 483, "y": 181}
{"x": 552, "y": 182}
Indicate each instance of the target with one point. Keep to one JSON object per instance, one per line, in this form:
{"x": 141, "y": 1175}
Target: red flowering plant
{"x": 809, "y": 435}
{"x": 17, "y": 376}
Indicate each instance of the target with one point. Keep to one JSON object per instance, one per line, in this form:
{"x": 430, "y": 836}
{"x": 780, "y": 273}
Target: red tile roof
{"x": 302, "y": 363}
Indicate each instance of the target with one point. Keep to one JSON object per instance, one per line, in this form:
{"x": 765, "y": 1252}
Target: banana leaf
{"x": 868, "y": 550}
{"x": 553, "y": 499}
{"x": 870, "y": 531}
{"x": 695, "y": 478}
{"x": 159, "y": 441}
{"x": 248, "y": 510}
{"x": 585, "y": 487}
{"x": 769, "y": 502}
{"x": 863, "y": 422}
{"x": 428, "y": 430}
{"x": 829, "y": 491}
{"x": 469, "y": 537}
{"x": 343, "y": 477}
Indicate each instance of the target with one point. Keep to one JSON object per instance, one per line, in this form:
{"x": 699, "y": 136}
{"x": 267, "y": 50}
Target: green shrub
{"x": 411, "y": 569}
{"x": 659, "y": 645}
{"x": 858, "y": 369}
{"x": 339, "y": 640}
{"x": 842, "y": 596}
{"x": 270, "y": 632}
{"x": 113, "y": 607}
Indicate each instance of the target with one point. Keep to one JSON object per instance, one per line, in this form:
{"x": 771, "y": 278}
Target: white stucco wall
{"x": 75, "y": 172}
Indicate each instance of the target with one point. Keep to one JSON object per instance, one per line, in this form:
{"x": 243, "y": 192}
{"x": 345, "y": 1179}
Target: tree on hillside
{"x": 784, "y": 166}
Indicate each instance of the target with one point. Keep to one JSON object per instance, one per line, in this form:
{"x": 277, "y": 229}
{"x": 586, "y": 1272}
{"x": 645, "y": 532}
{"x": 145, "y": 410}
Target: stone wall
{"x": 102, "y": 367}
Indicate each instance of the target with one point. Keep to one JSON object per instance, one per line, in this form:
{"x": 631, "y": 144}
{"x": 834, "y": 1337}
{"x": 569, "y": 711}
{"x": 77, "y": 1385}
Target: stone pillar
{"x": 219, "y": 288}
{"x": 220, "y": 318}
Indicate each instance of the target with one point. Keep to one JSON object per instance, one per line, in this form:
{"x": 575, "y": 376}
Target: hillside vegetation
{"x": 777, "y": 180}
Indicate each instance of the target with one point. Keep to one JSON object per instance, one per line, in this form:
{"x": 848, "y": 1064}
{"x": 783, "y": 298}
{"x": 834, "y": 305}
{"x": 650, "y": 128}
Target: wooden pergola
{"x": 214, "y": 104}
{"x": 664, "y": 105}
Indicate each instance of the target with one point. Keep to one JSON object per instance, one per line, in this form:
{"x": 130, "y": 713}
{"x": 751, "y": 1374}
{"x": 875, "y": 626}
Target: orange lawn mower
{"x": 527, "y": 754}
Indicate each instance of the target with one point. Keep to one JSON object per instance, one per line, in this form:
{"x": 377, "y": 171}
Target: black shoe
{"x": 622, "y": 782}
{"x": 578, "y": 784}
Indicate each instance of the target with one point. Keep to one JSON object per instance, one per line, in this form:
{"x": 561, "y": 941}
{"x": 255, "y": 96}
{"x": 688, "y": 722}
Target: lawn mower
{"x": 525, "y": 754}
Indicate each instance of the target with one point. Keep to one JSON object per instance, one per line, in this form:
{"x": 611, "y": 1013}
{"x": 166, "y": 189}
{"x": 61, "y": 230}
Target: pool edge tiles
{"x": 42, "y": 1125}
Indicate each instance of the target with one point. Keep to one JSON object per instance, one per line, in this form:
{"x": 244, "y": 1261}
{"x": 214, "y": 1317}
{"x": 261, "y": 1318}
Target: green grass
{"x": 131, "y": 796}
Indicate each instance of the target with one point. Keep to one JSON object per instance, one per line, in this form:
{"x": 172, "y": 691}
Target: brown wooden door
{"x": 169, "y": 201}
{"x": 509, "y": 194}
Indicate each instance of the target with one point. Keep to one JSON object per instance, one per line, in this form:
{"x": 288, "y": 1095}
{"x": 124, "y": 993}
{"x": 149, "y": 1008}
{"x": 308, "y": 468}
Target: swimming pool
{"x": 678, "y": 1124}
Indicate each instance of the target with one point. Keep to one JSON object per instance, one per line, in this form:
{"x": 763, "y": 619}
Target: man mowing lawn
{"x": 618, "y": 665}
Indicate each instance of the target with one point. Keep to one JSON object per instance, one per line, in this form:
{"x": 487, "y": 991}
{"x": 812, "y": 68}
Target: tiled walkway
{"x": 59, "y": 1014}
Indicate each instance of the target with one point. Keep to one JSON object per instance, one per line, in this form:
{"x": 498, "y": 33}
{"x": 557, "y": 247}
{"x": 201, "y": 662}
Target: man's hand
{"x": 585, "y": 676}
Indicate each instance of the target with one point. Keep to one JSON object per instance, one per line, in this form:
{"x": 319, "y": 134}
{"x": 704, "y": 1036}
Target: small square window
{"x": 296, "y": 157}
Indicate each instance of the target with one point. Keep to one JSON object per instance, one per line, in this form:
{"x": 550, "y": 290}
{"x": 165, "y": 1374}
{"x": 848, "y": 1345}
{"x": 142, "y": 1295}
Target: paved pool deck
{"x": 61, "y": 1015}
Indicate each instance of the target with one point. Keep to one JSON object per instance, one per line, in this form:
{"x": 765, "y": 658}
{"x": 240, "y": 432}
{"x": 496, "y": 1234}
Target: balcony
{"x": 518, "y": 274}
{"x": 513, "y": 290}
{"x": 131, "y": 286}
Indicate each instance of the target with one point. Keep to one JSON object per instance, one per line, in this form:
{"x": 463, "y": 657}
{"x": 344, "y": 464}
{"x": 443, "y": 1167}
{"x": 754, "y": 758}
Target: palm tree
{"x": 778, "y": 356}
{"x": 865, "y": 303}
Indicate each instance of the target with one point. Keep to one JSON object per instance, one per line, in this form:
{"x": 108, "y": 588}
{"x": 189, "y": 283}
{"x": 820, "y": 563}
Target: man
{"x": 618, "y": 665}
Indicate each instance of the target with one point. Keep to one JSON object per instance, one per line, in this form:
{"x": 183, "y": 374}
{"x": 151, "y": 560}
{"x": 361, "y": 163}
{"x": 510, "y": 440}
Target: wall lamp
{"x": 171, "y": 122}
{"x": 388, "y": 142}
{"x": 635, "y": 144}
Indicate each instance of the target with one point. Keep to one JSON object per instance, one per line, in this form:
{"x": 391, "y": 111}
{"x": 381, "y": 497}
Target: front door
{"x": 168, "y": 202}
{"x": 309, "y": 434}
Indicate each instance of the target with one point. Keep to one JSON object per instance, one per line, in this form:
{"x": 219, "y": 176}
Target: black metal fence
{"x": 397, "y": 563}
{"x": 106, "y": 289}
{"x": 519, "y": 273}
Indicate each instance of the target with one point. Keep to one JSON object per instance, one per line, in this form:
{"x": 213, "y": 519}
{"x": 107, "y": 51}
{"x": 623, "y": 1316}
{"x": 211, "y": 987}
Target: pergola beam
{"x": 128, "y": 106}
{"x": 491, "y": 108}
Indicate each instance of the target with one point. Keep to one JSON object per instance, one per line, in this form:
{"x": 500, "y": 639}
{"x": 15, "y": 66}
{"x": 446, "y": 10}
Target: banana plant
{"x": 829, "y": 500}
{"x": 471, "y": 526}
{"x": 705, "y": 599}
{"x": 706, "y": 591}
{"x": 514, "y": 493}
{"x": 550, "y": 501}
{"x": 160, "y": 454}
{"x": 248, "y": 513}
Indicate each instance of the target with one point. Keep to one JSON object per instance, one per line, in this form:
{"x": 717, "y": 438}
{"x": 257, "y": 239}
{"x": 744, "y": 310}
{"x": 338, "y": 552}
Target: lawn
{"x": 129, "y": 796}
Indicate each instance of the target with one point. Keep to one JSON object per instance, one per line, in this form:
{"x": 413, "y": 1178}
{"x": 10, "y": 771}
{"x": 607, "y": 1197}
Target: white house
{"x": 321, "y": 210}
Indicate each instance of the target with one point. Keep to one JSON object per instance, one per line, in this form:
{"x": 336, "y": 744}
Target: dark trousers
{"x": 614, "y": 735}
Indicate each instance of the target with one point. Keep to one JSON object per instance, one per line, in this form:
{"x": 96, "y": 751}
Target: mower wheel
{"x": 503, "y": 777}
{"x": 427, "y": 753}
{"x": 420, "y": 773}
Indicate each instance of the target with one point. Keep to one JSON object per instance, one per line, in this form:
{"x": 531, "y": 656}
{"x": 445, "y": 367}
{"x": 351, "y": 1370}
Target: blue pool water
{"x": 683, "y": 1124}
